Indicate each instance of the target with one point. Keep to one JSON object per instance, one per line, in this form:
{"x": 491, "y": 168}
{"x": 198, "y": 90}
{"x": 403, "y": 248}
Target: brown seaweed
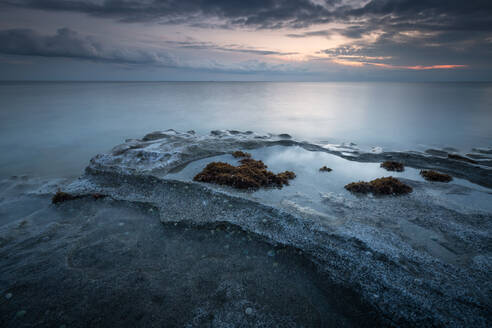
{"x": 251, "y": 174}
{"x": 241, "y": 154}
{"x": 430, "y": 175}
{"x": 381, "y": 186}
{"x": 392, "y": 166}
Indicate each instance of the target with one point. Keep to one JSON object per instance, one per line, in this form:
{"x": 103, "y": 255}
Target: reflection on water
{"x": 54, "y": 128}
{"x": 311, "y": 186}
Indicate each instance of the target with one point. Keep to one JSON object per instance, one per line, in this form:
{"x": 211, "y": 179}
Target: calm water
{"x": 53, "y": 129}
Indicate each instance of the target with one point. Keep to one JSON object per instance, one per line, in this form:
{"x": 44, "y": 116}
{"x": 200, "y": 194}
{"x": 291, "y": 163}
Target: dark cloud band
{"x": 398, "y": 14}
{"x": 257, "y": 13}
{"x": 67, "y": 43}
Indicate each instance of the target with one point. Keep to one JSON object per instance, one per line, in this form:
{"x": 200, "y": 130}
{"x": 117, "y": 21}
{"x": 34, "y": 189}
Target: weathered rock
{"x": 462, "y": 158}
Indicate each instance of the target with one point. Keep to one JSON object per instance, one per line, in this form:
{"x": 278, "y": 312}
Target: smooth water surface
{"x": 53, "y": 129}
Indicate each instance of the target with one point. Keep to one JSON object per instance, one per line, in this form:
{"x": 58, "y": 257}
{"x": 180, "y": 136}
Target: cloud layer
{"x": 386, "y": 34}
{"x": 66, "y": 43}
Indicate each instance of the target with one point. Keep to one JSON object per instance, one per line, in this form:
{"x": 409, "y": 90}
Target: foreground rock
{"x": 461, "y": 158}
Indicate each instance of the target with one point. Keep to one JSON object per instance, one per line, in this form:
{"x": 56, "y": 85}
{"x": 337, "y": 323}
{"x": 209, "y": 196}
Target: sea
{"x": 52, "y": 129}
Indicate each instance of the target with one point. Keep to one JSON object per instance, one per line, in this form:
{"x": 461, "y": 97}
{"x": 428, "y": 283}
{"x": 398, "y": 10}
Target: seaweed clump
{"x": 435, "y": 176}
{"x": 241, "y": 154}
{"x": 360, "y": 187}
{"x": 251, "y": 174}
{"x": 461, "y": 158}
{"x": 381, "y": 186}
{"x": 393, "y": 166}
{"x": 325, "y": 169}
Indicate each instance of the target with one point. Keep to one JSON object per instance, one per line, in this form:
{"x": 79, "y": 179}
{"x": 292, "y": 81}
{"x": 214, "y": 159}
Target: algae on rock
{"x": 381, "y": 186}
{"x": 430, "y": 175}
{"x": 393, "y": 166}
{"x": 251, "y": 174}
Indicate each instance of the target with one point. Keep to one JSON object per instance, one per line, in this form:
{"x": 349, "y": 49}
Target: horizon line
{"x": 241, "y": 81}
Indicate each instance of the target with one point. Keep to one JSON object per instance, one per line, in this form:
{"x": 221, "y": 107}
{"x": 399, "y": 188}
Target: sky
{"x": 246, "y": 40}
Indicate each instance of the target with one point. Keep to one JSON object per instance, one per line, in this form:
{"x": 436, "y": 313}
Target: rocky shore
{"x": 162, "y": 249}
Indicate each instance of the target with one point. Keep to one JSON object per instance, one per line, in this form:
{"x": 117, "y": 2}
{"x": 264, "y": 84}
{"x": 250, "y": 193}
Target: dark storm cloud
{"x": 69, "y": 44}
{"x": 426, "y": 14}
{"x": 257, "y": 13}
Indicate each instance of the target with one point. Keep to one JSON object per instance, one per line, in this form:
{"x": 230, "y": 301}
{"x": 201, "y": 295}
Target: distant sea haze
{"x": 53, "y": 129}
